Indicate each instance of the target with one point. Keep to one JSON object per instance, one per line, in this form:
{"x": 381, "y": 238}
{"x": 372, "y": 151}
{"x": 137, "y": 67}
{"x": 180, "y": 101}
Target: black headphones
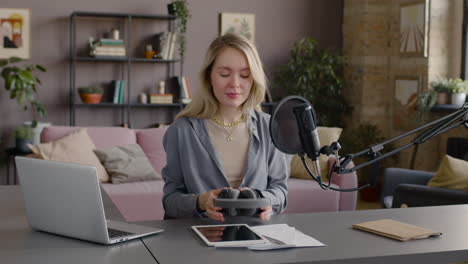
{"x": 241, "y": 203}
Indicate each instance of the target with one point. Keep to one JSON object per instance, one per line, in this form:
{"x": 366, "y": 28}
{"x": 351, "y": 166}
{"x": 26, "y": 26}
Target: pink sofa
{"x": 141, "y": 201}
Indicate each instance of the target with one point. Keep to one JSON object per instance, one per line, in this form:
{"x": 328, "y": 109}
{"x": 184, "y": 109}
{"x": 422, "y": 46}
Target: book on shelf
{"x": 185, "y": 95}
{"x": 165, "y": 43}
{"x": 116, "y": 85}
{"x": 121, "y": 91}
{"x": 161, "y": 98}
{"x": 187, "y": 86}
{"x": 172, "y": 43}
{"x": 107, "y": 47}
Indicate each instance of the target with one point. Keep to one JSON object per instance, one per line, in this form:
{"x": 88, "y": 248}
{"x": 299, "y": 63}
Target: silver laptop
{"x": 65, "y": 199}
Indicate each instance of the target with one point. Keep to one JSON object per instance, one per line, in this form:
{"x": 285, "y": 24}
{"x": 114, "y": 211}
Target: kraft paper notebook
{"x": 396, "y": 230}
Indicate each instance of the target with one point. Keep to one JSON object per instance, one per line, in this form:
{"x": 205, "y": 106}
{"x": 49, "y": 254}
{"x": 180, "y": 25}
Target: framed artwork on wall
{"x": 414, "y": 28}
{"x": 407, "y": 89}
{"x": 15, "y": 33}
{"x": 239, "y": 23}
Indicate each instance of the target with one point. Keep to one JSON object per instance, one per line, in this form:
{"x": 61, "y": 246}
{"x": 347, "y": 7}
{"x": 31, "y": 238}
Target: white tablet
{"x": 230, "y": 235}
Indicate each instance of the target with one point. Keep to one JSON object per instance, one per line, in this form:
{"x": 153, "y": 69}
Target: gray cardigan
{"x": 193, "y": 166}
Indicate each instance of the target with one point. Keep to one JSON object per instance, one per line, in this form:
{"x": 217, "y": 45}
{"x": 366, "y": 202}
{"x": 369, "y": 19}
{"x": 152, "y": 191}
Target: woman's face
{"x": 231, "y": 78}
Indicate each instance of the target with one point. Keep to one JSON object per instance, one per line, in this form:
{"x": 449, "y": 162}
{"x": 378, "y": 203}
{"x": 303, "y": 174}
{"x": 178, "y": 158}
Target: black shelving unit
{"x": 447, "y": 108}
{"x": 127, "y": 106}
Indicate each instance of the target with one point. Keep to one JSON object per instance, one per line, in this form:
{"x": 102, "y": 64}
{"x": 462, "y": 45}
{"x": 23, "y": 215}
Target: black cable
{"x": 328, "y": 187}
{"x": 141, "y": 239}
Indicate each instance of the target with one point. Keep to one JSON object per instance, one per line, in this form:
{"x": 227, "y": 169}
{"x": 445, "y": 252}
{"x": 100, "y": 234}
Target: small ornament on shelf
{"x": 161, "y": 88}
{"x": 149, "y": 52}
{"x": 142, "y": 98}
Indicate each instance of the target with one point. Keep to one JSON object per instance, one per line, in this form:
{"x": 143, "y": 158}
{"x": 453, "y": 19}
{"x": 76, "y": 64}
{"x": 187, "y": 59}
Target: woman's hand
{"x": 266, "y": 213}
{"x": 206, "y": 203}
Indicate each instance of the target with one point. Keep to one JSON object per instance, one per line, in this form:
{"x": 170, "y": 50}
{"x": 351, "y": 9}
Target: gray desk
{"x": 178, "y": 244}
{"x": 20, "y": 244}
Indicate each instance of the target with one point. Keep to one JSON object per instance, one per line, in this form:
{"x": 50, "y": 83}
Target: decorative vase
{"x": 91, "y": 98}
{"x": 22, "y": 145}
{"x": 458, "y": 98}
{"x": 442, "y": 98}
{"x": 37, "y": 130}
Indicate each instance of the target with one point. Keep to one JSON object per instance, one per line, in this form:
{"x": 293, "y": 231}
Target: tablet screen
{"x": 228, "y": 234}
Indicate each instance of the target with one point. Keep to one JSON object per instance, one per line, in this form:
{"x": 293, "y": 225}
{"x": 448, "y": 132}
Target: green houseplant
{"x": 358, "y": 139}
{"x": 440, "y": 87}
{"x": 91, "y": 94}
{"x": 317, "y": 75}
{"x": 180, "y": 10}
{"x": 458, "y": 91}
{"x": 426, "y": 100}
{"x": 22, "y": 83}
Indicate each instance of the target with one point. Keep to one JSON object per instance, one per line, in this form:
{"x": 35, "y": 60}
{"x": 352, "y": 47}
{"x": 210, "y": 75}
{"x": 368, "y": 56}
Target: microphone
{"x": 307, "y": 124}
{"x": 293, "y": 130}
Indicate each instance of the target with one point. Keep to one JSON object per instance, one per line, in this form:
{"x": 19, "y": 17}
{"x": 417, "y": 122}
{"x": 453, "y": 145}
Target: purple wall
{"x": 279, "y": 23}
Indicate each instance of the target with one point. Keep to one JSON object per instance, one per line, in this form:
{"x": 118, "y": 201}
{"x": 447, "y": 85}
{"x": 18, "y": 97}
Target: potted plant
{"x": 458, "y": 89}
{"x": 317, "y": 75}
{"x": 91, "y": 94}
{"x": 24, "y": 135}
{"x": 426, "y": 100}
{"x": 180, "y": 10}
{"x": 22, "y": 85}
{"x": 358, "y": 139}
{"x": 440, "y": 86}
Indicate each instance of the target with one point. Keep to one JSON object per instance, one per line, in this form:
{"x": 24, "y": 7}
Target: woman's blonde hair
{"x": 204, "y": 104}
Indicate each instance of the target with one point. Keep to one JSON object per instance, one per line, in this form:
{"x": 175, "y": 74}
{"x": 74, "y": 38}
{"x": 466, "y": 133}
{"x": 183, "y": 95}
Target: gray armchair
{"x": 405, "y": 186}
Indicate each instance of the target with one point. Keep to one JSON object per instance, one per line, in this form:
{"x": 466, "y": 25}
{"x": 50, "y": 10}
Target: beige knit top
{"x": 231, "y": 154}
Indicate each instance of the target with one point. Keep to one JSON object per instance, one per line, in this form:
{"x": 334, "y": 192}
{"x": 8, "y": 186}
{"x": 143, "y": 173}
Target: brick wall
{"x": 371, "y": 37}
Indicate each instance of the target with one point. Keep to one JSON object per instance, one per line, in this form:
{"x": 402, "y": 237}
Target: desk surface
{"x": 178, "y": 244}
{"x": 20, "y": 244}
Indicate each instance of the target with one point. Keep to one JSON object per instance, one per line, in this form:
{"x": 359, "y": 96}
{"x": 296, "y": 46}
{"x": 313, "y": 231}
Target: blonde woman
{"x": 221, "y": 139}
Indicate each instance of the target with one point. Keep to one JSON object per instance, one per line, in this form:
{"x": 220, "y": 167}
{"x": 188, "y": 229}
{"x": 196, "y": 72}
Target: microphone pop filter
{"x": 284, "y": 130}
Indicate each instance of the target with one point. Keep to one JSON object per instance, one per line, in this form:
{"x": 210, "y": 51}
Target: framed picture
{"x": 239, "y": 23}
{"x": 15, "y": 33}
{"x": 407, "y": 89}
{"x": 414, "y": 28}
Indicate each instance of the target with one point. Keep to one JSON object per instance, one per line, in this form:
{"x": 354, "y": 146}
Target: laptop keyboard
{"x": 113, "y": 233}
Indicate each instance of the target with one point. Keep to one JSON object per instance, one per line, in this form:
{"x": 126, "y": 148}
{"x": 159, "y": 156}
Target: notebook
{"x": 65, "y": 199}
{"x": 396, "y": 230}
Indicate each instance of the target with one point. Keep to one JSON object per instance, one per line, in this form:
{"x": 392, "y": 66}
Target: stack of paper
{"x": 283, "y": 236}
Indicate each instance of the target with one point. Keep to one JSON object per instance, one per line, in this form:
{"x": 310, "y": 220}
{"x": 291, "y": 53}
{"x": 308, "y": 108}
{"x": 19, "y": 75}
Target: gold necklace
{"x": 229, "y": 137}
{"x": 233, "y": 124}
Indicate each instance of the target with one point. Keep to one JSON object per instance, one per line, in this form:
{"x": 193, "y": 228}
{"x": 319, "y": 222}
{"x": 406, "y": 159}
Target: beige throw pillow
{"x": 452, "y": 173}
{"x": 127, "y": 164}
{"x": 327, "y": 135}
{"x": 76, "y": 147}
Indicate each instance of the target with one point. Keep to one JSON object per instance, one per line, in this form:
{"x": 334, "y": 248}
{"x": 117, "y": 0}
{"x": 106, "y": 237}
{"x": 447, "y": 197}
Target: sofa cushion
{"x": 452, "y": 173}
{"x": 327, "y": 135}
{"x": 76, "y": 147}
{"x": 137, "y": 201}
{"x": 307, "y": 196}
{"x": 102, "y": 137}
{"x": 127, "y": 163}
{"x": 150, "y": 141}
